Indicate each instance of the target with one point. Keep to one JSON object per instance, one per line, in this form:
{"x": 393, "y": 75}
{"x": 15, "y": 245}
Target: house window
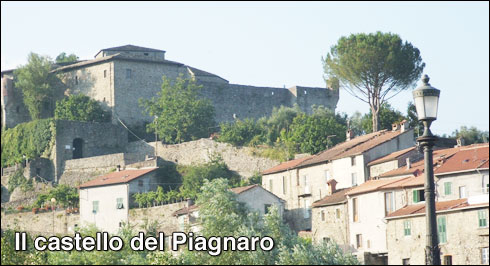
{"x": 323, "y": 216}
{"x": 95, "y": 206}
{"x": 389, "y": 203}
{"x": 359, "y": 241}
{"x": 140, "y": 183}
{"x": 406, "y": 261}
{"x": 482, "y": 218}
{"x": 353, "y": 161}
{"x": 354, "y": 179}
{"x": 441, "y": 229}
{"x": 307, "y": 184}
{"x": 326, "y": 240}
{"x": 418, "y": 195}
{"x": 284, "y": 185}
{"x": 267, "y": 208}
{"x": 271, "y": 185}
{"x": 307, "y": 209}
{"x": 485, "y": 187}
{"x": 128, "y": 73}
{"x": 462, "y": 192}
{"x": 447, "y": 188}
{"x": 448, "y": 260}
{"x": 407, "y": 228}
{"x": 337, "y": 213}
{"x": 484, "y": 255}
{"x": 76, "y": 80}
{"x": 119, "y": 203}
{"x": 355, "y": 211}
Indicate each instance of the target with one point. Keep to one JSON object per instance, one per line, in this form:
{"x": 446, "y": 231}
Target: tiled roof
{"x": 185, "y": 210}
{"x": 337, "y": 197}
{"x": 473, "y": 157}
{"x": 239, "y": 190}
{"x": 440, "y": 206}
{"x": 354, "y": 146}
{"x": 285, "y": 166}
{"x": 391, "y": 156}
{"x": 130, "y": 47}
{"x": 374, "y": 185}
{"x": 120, "y": 177}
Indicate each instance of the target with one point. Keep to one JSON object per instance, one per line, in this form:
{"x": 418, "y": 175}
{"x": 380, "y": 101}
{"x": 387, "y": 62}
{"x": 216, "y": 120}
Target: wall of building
{"x": 257, "y": 197}
{"x": 336, "y": 229}
{"x": 378, "y": 169}
{"x": 464, "y": 238}
{"x": 402, "y": 141}
{"x": 343, "y": 170}
{"x": 474, "y": 183}
{"x": 13, "y": 109}
{"x": 167, "y": 223}
{"x": 42, "y": 223}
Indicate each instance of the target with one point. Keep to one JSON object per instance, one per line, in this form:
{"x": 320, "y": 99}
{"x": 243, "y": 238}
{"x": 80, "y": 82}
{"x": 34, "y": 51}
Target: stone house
{"x": 119, "y": 76}
{"x": 302, "y": 181}
{"x": 106, "y": 200}
{"x": 254, "y": 197}
{"x": 462, "y": 231}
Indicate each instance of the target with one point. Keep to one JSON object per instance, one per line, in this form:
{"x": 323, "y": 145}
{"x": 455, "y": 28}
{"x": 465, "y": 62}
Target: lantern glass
{"x": 427, "y": 107}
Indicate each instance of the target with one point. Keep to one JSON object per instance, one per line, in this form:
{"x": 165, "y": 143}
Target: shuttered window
{"x": 407, "y": 228}
{"x": 482, "y": 218}
{"x": 441, "y": 229}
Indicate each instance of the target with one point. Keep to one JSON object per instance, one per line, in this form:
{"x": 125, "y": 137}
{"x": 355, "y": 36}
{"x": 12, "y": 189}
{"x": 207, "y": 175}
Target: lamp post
{"x": 426, "y": 100}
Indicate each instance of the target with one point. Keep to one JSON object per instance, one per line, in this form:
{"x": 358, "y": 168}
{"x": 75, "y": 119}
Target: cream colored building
{"x": 303, "y": 181}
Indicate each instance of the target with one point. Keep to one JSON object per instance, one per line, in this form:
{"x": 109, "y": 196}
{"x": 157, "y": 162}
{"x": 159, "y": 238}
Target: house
{"x": 462, "y": 231}
{"x": 105, "y": 201}
{"x": 302, "y": 181}
{"x": 255, "y": 198}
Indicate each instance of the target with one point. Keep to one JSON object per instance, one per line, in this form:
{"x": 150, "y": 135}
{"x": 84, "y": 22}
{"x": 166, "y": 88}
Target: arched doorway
{"x": 77, "y": 148}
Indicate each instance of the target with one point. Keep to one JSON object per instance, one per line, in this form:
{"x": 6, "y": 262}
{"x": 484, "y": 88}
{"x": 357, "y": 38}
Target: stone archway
{"x": 78, "y": 148}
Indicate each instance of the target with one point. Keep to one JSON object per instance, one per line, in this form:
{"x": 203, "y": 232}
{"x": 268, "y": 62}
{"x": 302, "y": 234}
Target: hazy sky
{"x": 270, "y": 43}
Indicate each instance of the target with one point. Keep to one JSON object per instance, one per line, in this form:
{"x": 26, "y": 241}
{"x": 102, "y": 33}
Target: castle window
{"x": 128, "y": 73}
{"x": 145, "y": 53}
{"x": 105, "y": 73}
{"x": 76, "y": 80}
{"x": 17, "y": 109}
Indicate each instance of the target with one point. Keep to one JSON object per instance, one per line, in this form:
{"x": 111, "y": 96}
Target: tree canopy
{"x": 374, "y": 67}
{"x": 81, "y": 108}
{"x": 63, "y": 58}
{"x": 180, "y": 114}
{"x": 37, "y": 84}
{"x": 471, "y": 135}
{"x": 387, "y": 116}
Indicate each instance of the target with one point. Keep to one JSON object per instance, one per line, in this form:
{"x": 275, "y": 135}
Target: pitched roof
{"x": 392, "y": 156}
{"x": 335, "y": 198}
{"x": 354, "y": 146}
{"x": 133, "y": 48}
{"x": 239, "y": 190}
{"x": 374, "y": 185}
{"x": 418, "y": 209}
{"x": 185, "y": 210}
{"x": 120, "y": 177}
{"x": 471, "y": 158}
{"x": 285, "y": 166}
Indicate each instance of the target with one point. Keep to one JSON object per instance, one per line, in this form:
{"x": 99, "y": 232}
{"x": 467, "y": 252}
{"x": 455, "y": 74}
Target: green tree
{"x": 63, "y": 58}
{"x": 180, "y": 114}
{"x": 471, "y": 135}
{"x": 241, "y": 133}
{"x": 310, "y": 133}
{"x": 374, "y": 67}
{"x": 81, "y": 108}
{"x": 37, "y": 84}
{"x": 387, "y": 116}
{"x": 412, "y": 118}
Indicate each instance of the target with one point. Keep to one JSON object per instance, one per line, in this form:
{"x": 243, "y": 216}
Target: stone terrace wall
{"x": 163, "y": 214}
{"x": 41, "y": 223}
{"x": 201, "y": 151}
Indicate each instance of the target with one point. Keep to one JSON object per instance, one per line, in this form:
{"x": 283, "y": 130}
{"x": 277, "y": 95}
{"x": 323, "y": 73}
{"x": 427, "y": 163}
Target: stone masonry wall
{"x": 163, "y": 214}
{"x": 201, "y": 151}
{"x": 41, "y": 223}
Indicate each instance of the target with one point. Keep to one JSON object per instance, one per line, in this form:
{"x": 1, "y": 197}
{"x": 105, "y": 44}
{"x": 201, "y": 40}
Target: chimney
{"x": 460, "y": 142}
{"x": 349, "y": 135}
{"x": 403, "y": 126}
{"x": 395, "y": 126}
{"x": 189, "y": 203}
{"x": 118, "y": 167}
{"x": 408, "y": 163}
{"x": 331, "y": 186}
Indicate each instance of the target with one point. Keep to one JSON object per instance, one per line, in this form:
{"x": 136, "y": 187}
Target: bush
{"x": 81, "y": 108}
{"x": 242, "y": 133}
{"x": 31, "y": 139}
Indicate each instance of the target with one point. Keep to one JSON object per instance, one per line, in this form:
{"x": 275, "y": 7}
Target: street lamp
{"x": 426, "y": 100}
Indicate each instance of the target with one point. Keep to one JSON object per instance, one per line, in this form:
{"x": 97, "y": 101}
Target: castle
{"x": 118, "y": 77}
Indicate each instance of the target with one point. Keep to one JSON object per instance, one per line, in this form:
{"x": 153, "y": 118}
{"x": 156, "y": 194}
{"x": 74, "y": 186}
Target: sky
{"x": 270, "y": 43}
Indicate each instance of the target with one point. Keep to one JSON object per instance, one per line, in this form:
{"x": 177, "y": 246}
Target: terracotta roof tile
{"x": 374, "y": 185}
{"x": 391, "y": 156}
{"x": 440, "y": 206}
{"x": 120, "y": 177}
{"x": 239, "y": 190}
{"x": 130, "y": 47}
{"x": 185, "y": 210}
{"x": 337, "y": 197}
{"x": 473, "y": 157}
{"x": 286, "y": 165}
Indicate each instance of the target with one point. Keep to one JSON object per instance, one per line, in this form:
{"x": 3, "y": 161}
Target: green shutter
{"x": 441, "y": 229}
{"x": 119, "y": 203}
{"x": 415, "y": 196}
{"x": 407, "y": 228}
{"x": 482, "y": 218}
{"x": 447, "y": 188}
